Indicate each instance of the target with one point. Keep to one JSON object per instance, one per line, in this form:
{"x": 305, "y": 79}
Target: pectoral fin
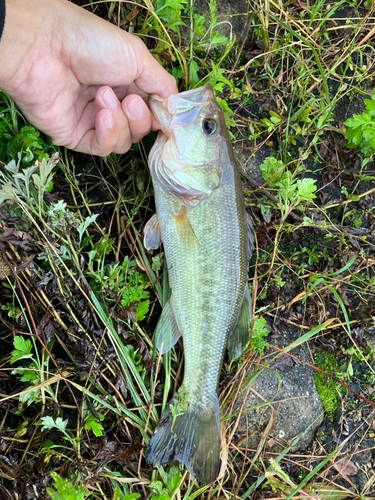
{"x": 239, "y": 338}
{"x": 152, "y": 235}
{"x": 167, "y": 332}
{"x": 185, "y": 231}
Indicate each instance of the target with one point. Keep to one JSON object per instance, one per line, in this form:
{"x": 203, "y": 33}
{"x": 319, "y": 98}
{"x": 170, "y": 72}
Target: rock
{"x": 296, "y": 406}
{"x": 249, "y": 161}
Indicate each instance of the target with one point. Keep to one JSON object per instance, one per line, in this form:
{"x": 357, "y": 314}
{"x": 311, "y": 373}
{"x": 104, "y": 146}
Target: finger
{"x": 107, "y": 126}
{"x": 101, "y": 140}
{"x": 99, "y": 126}
{"x": 139, "y": 117}
{"x": 106, "y": 99}
{"x": 150, "y": 76}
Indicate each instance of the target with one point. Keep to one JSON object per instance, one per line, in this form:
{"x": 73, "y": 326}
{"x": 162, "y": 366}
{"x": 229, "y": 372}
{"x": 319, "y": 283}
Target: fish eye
{"x": 210, "y": 126}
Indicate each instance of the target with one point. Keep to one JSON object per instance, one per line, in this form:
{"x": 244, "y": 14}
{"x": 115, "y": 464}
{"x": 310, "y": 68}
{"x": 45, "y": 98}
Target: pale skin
{"x": 79, "y": 79}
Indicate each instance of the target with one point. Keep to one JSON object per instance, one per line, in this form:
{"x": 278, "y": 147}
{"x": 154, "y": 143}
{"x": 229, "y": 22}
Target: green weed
{"x": 36, "y": 371}
{"x": 48, "y": 423}
{"x": 361, "y": 129}
{"x": 291, "y": 193}
{"x": 259, "y": 331}
{"x": 179, "y": 404}
{"x": 64, "y": 490}
{"x": 171, "y": 480}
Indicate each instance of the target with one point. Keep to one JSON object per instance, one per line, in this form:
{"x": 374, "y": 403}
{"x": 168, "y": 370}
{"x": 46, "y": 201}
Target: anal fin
{"x": 166, "y": 332}
{"x": 239, "y": 338}
{"x": 152, "y": 235}
{"x": 250, "y": 236}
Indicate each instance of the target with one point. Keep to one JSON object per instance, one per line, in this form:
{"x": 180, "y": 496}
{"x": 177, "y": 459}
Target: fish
{"x": 208, "y": 238}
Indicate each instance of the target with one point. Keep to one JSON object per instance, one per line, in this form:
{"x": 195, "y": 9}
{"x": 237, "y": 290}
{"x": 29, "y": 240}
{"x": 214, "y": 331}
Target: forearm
{"x": 28, "y": 23}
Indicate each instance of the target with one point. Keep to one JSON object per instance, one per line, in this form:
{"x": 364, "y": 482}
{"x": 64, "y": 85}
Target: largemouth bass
{"x": 207, "y": 237}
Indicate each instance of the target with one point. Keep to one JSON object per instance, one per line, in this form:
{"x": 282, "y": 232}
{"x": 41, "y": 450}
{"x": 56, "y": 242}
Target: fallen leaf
{"x": 121, "y": 385}
{"x": 271, "y": 442}
{"x": 25, "y": 264}
{"x": 255, "y": 49}
{"x": 144, "y": 352}
{"x": 283, "y": 364}
{"x": 110, "y": 450}
{"x": 346, "y": 467}
{"x": 46, "y": 327}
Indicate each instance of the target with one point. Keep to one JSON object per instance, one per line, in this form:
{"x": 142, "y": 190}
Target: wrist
{"x": 27, "y": 31}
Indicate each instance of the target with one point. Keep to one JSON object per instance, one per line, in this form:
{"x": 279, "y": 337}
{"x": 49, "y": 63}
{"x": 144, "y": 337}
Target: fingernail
{"x": 109, "y": 99}
{"x": 135, "y": 108}
{"x": 108, "y": 121}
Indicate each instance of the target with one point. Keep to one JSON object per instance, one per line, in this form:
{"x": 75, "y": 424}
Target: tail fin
{"x": 192, "y": 439}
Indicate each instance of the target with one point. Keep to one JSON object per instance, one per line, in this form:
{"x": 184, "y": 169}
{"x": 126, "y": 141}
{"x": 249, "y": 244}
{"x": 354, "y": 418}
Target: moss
{"x": 326, "y": 386}
{"x": 357, "y": 219}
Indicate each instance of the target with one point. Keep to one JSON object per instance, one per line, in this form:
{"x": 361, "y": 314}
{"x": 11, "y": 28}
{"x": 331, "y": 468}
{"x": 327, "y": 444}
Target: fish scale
{"x": 203, "y": 225}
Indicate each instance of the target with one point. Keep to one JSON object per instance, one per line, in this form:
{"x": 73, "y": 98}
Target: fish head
{"x": 189, "y": 152}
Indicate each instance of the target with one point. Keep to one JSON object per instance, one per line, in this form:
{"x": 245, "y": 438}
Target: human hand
{"x": 78, "y": 78}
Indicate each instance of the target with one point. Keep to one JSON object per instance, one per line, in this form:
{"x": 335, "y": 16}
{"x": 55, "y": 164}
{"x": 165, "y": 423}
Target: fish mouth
{"x": 181, "y": 108}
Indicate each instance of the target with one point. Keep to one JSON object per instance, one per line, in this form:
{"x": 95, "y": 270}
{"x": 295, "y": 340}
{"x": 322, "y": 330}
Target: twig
{"x": 249, "y": 19}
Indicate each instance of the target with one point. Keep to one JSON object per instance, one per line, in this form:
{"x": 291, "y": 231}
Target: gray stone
{"x": 296, "y": 406}
{"x": 249, "y": 160}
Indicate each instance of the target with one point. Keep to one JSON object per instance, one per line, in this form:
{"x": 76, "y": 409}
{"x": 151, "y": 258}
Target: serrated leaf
{"x": 156, "y": 487}
{"x": 92, "y": 424}
{"x": 354, "y": 137}
{"x": 142, "y": 310}
{"x": 305, "y": 188}
{"x": 355, "y": 122}
{"x": 217, "y": 39}
{"x": 259, "y": 331}
{"x": 85, "y": 224}
{"x": 227, "y": 112}
{"x": 65, "y": 490}
{"x": 23, "y": 349}
{"x": 29, "y": 376}
{"x": 7, "y": 193}
{"x": 173, "y": 481}
{"x": 275, "y": 172}
{"x": 13, "y": 167}
{"x": 29, "y": 397}
{"x": 43, "y": 180}
{"x": 199, "y": 21}
{"x": 193, "y": 73}
{"x": 213, "y": 8}
{"x": 49, "y": 423}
